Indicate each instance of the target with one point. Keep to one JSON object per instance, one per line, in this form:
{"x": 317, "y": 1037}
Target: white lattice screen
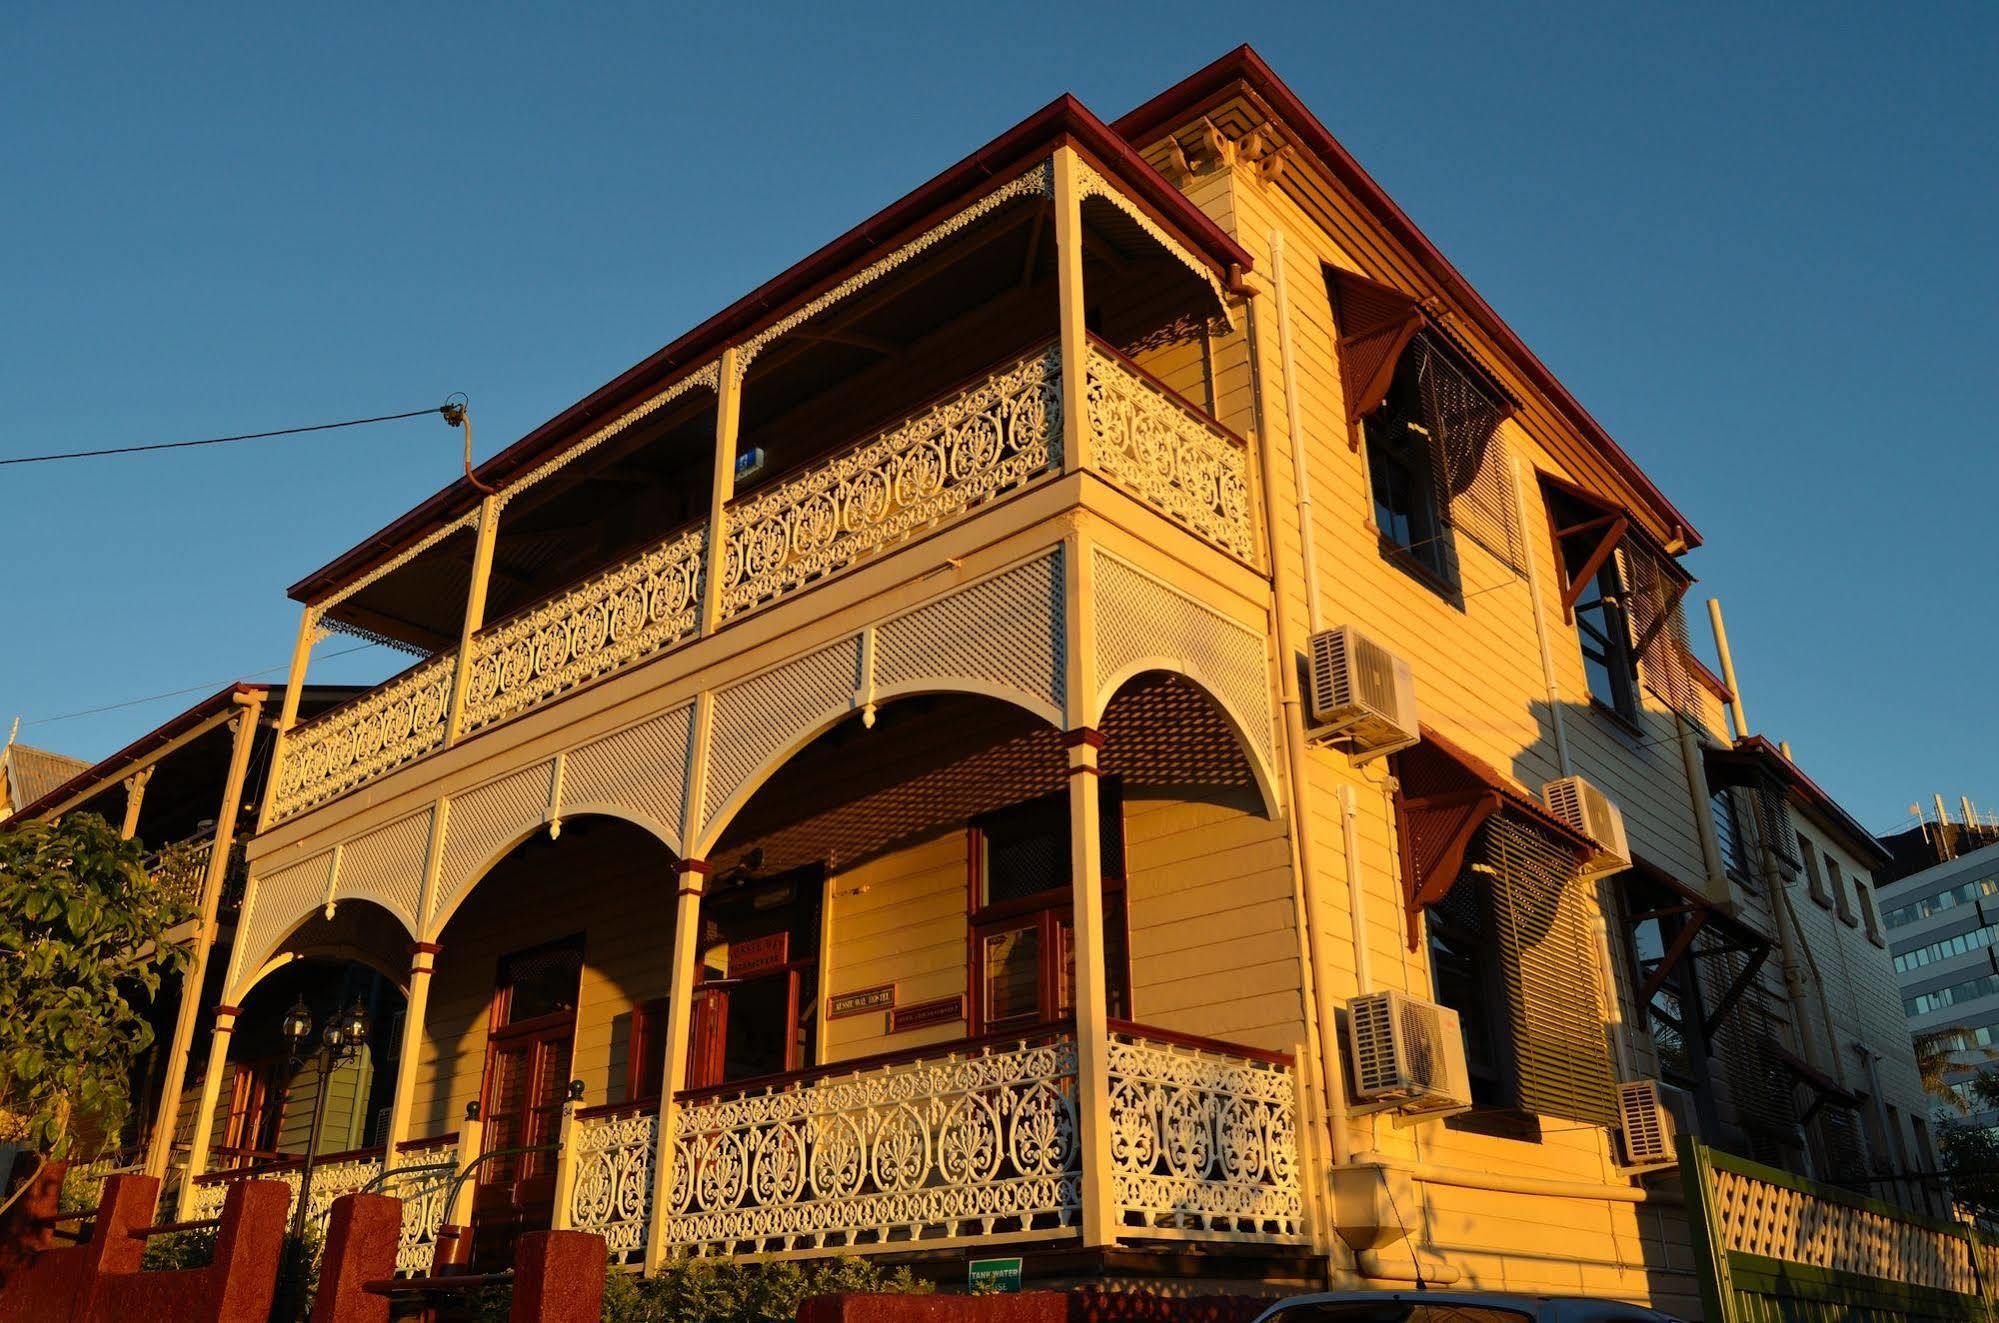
{"x": 387, "y": 866}
{"x": 758, "y": 718}
{"x": 277, "y": 901}
{"x": 481, "y": 822}
{"x": 1141, "y": 620}
{"x": 641, "y": 769}
{"x": 1006, "y": 631}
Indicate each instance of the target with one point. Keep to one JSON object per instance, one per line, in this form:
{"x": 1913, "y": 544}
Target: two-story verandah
{"x": 903, "y": 783}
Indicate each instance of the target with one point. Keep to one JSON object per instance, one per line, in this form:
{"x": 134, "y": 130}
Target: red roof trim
{"x": 108, "y": 768}
{"x": 1814, "y": 795}
{"x": 1064, "y": 119}
{"x": 1244, "y": 65}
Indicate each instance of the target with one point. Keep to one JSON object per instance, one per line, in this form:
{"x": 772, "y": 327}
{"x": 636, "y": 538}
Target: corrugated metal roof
{"x": 31, "y": 773}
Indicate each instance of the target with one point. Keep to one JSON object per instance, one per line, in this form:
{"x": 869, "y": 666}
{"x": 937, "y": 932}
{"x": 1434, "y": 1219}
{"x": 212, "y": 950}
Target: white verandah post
{"x": 243, "y": 736}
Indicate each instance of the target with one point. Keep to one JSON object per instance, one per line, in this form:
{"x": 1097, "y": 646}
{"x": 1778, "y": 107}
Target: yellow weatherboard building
{"x": 1115, "y": 713}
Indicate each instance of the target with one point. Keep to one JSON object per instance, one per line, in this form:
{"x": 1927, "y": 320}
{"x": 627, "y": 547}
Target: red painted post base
{"x": 558, "y": 1278}
{"x": 362, "y": 1234}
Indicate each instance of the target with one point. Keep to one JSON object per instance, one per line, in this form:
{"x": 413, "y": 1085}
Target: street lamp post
{"x": 340, "y": 1042}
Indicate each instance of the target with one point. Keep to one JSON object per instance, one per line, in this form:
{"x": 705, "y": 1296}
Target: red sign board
{"x": 759, "y": 955}
{"x": 843, "y": 1004}
{"x": 925, "y": 1013}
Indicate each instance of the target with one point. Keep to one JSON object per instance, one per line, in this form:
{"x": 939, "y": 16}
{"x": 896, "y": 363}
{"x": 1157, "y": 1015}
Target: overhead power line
{"x": 221, "y": 440}
{"x": 177, "y": 693}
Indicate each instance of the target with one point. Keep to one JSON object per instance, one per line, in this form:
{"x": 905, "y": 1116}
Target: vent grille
{"x": 1647, "y": 1126}
{"x": 1375, "y": 1069}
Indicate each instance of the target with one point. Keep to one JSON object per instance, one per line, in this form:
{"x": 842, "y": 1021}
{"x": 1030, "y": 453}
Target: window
{"x": 1864, "y": 899}
{"x": 1401, "y": 468}
{"x": 1605, "y": 634}
{"x": 1728, "y": 836}
{"x": 1838, "y": 886}
{"x": 756, "y": 998}
{"x": 1944, "y": 948}
{"x": 1962, "y": 894}
{"x": 1814, "y": 879}
{"x": 1022, "y": 917}
{"x": 1674, "y": 1013}
{"x": 1985, "y": 985}
{"x": 256, "y": 1112}
{"x": 1465, "y": 976}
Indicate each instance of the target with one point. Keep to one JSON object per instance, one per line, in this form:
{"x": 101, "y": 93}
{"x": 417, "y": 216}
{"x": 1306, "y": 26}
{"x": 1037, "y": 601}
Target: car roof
{"x": 1540, "y": 1307}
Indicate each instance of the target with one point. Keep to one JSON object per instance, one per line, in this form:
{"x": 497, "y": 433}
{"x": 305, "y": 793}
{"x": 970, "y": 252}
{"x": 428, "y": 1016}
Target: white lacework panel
{"x": 1778, "y": 1222}
{"x": 614, "y": 620}
{"x": 988, "y": 439}
{"x": 759, "y": 718}
{"x": 482, "y": 822}
{"x": 183, "y": 872}
{"x": 642, "y": 769}
{"x": 1203, "y": 1145}
{"x": 277, "y": 903}
{"x": 423, "y": 1188}
{"x": 387, "y": 866}
{"x": 359, "y": 741}
{"x": 330, "y": 1180}
{"x": 612, "y": 1196}
{"x": 1006, "y": 631}
{"x": 1161, "y": 450}
{"x": 979, "y": 1146}
{"x": 1141, "y": 618}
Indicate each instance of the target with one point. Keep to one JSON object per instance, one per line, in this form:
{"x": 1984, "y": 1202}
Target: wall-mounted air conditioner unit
{"x": 1588, "y": 810}
{"x": 1363, "y": 696}
{"x": 1647, "y": 1123}
{"x": 1406, "y": 1054}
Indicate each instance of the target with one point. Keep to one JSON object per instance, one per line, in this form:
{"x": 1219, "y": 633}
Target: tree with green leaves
{"x": 82, "y": 950}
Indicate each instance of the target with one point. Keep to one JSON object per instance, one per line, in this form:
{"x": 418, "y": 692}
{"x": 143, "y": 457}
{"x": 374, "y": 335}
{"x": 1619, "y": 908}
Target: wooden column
{"x": 484, "y": 532}
{"x": 728, "y": 425}
{"x": 409, "y": 1052}
{"x": 693, "y": 876}
{"x": 135, "y": 796}
{"x": 1073, "y": 335}
{"x": 204, "y": 1113}
{"x": 243, "y": 737}
{"x": 308, "y": 630}
{"x": 1093, "y": 1093}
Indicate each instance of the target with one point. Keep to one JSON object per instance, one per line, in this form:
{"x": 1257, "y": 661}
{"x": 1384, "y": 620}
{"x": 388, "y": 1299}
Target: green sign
{"x": 993, "y": 1274}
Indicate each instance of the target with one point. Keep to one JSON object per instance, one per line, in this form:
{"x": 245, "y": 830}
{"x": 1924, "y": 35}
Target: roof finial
{"x": 13, "y": 733}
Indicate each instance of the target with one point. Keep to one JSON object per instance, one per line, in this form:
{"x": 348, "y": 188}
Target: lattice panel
{"x": 387, "y": 866}
{"x": 276, "y": 904}
{"x": 1778, "y": 1222}
{"x": 1006, "y": 631}
{"x": 758, "y": 719}
{"x": 642, "y": 769}
{"x": 481, "y": 822}
{"x": 1140, "y": 619}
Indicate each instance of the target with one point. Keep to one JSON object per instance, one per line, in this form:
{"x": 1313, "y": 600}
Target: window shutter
{"x": 1541, "y": 917}
{"x": 1469, "y": 461}
{"x": 1376, "y": 323}
{"x": 1659, "y": 627}
{"x": 1741, "y": 1042}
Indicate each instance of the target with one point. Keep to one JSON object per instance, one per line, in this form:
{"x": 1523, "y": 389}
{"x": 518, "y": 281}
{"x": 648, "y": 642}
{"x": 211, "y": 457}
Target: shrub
{"x": 727, "y": 1291}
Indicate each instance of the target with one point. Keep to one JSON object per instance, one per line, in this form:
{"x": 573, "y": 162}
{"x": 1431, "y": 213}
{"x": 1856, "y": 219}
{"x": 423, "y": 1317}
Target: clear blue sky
{"x": 1757, "y": 243}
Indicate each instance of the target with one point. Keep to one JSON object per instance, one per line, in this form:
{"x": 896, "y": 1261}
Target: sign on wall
{"x": 922, "y": 1014}
{"x": 860, "y": 1001}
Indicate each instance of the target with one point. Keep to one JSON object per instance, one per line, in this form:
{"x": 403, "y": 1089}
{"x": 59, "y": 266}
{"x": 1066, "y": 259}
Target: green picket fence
{"x": 1776, "y": 1248}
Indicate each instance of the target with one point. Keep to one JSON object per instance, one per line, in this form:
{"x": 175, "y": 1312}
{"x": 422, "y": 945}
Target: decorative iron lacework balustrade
{"x": 988, "y": 439}
{"x": 964, "y": 1147}
{"x": 1776, "y": 1219}
{"x": 612, "y": 1195}
{"x": 330, "y": 1180}
{"x": 423, "y": 1182}
{"x": 1203, "y": 1145}
{"x": 182, "y": 870}
{"x": 621, "y": 616}
{"x": 1160, "y": 449}
{"x": 360, "y": 740}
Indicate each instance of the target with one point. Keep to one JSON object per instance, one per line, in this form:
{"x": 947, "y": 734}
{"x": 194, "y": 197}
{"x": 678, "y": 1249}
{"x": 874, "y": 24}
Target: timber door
{"x": 528, "y": 1051}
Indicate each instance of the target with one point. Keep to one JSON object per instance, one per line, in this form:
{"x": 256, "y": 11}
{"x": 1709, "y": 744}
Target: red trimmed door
{"x": 528, "y": 1052}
